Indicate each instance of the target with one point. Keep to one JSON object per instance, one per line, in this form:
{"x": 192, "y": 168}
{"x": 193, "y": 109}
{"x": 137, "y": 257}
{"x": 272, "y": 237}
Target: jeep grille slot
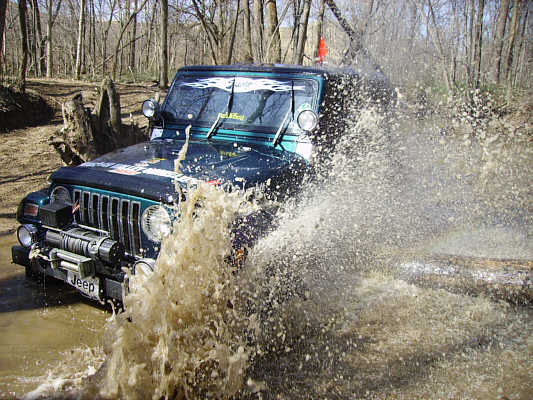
{"x": 104, "y": 215}
{"x": 113, "y": 217}
{"x": 120, "y": 217}
{"x": 124, "y": 226}
{"x": 94, "y": 217}
{"x": 77, "y": 214}
{"x": 84, "y": 207}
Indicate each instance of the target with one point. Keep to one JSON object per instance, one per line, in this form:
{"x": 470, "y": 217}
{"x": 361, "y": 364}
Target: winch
{"x": 87, "y": 243}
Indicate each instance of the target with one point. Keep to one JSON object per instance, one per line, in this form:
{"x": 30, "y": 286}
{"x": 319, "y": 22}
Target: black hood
{"x": 147, "y": 169}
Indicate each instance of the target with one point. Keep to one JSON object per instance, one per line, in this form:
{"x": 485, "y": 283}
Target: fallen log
{"x": 500, "y": 279}
{"x": 87, "y": 134}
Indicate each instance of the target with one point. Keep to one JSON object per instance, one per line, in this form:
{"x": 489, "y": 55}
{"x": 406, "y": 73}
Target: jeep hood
{"x": 147, "y": 169}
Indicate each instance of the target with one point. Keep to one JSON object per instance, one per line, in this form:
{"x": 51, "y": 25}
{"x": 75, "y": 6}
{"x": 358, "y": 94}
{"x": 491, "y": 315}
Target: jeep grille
{"x": 120, "y": 217}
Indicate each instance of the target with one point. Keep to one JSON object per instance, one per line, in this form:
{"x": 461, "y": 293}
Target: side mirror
{"x": 151, "y": 110}
{"x": 307, "y": 120}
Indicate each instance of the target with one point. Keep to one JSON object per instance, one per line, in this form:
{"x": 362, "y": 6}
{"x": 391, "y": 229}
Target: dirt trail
{"x": 26, "y": 158}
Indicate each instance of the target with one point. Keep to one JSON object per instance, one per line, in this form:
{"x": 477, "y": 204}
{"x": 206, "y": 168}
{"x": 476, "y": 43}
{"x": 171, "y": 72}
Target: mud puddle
{"x": 42, "y": 326}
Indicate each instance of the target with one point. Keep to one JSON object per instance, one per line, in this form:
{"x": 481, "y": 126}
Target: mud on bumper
{"x": 106, "y": 287}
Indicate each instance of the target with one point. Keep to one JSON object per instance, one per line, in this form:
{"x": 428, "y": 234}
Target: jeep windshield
{"x": 257, "y": 104}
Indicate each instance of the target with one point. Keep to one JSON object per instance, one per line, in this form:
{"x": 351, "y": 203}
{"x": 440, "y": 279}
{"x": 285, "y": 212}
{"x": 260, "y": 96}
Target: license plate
{"x": 88, "y": 286}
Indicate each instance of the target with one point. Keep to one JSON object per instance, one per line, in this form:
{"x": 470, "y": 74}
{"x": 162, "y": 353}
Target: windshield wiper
{"x": 283, "y": 127}
{"x": 230, "y": 104}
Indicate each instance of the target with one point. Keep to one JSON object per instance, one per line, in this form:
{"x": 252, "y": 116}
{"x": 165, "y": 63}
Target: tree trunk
{"x": 80, "y": 42}
{"x": 106, "y": 33}
{"x": 258, "y": 30}
{"x": 355, "y": 36}
{"x": 272, "y": 31}
{"x": 248, "y": 55}
{"x": 107, "y": 112}
{"x": 233, "y": 33}
{"x": 302, "y": 32}
{"x": 319, "y": 27}
{"x": 150, "y": 28}
{"x": 478, "y": 42}
{"x": 515, "y": 23}
{"x": 40, "y": 41}
{"x": 470, "y": 52}
{"x": 133, "y": 39}
{"x": 49, "y": 25}
{"x": 211, "y": 36}
{"x": 3, "y": 10}
{"x": 498, "y": 41}
{"x": 218, "y": 34}
{"x": 23, "y": 45}
{"x": 163, "y": 66}
{"x": 86, "y": 135}
{"x": 521, "y": 48}
{"x": 297, "y": 12}
{"x": 433, "y": 29}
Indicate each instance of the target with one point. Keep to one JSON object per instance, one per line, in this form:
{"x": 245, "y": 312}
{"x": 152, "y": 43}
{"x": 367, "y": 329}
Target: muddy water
{"x": 317, "y": 311}
{"x": 43, "y": 326}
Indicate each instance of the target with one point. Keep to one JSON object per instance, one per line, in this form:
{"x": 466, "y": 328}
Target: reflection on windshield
{"x": 257, "y": 103}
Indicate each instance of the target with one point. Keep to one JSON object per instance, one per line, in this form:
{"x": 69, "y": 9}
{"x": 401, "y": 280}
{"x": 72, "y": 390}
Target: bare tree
{"x": 272, "y": 32}
{"x": 355, "y": 36}
{"x": 233, "y": 34}
{"x": 210, "y": 29}
{"x": 163, "y": 63}
{"x": 149, "y": 33}
{"x": 247, "y": 32}
{"x": 105, "y": 35}
{"x": 478, "y": 43}
{"x": 515, "y": 22}
{"x": 38, "y": 42}
{"x": 133, "y": 38}
{"x": 121, "y": 35}
{"x": 258, "y": 30}
{"x": 3, "y": 10}
{"x": 320, "y": 24}
{"x": 433, "y": 29}
{"x": 302, "y": 32}
{"x": 498, "y": 41}
{"x": 81, "y": 39}
{"x": 23, "y": 45}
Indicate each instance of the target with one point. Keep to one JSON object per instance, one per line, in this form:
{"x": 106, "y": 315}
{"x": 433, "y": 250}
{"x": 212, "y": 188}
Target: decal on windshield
{"x": 243, "y": 84}
{"x": 231, "y": 116}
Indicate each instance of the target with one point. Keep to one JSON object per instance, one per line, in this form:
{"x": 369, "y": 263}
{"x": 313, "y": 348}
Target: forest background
{"x": 443, "y": 45}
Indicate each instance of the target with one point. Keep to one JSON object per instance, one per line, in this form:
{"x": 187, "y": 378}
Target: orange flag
{"x": 322, "y": 51}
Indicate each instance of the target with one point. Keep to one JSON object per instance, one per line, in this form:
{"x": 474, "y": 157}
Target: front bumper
{"x": 108, "y": 288}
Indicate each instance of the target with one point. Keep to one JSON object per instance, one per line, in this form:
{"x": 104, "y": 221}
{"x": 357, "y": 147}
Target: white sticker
{"x": 243, "y": 85}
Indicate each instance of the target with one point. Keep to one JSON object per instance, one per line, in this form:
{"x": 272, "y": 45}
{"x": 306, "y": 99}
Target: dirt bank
{"x": 26, "y": 158}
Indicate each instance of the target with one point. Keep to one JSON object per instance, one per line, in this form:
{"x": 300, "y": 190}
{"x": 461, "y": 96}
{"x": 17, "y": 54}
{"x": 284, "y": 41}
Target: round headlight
{"x": 150, "y": 108}
{"x": 60, "y": 194}
{"x": 156, "y": 222}
{"x": 27, "y": 235}
{"x": 307, "y": 120}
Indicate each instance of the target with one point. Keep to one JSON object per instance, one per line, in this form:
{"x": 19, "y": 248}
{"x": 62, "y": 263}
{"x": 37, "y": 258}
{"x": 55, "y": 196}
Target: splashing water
{"x": 179, "y": 335}
{"x": 318, "y": 309}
